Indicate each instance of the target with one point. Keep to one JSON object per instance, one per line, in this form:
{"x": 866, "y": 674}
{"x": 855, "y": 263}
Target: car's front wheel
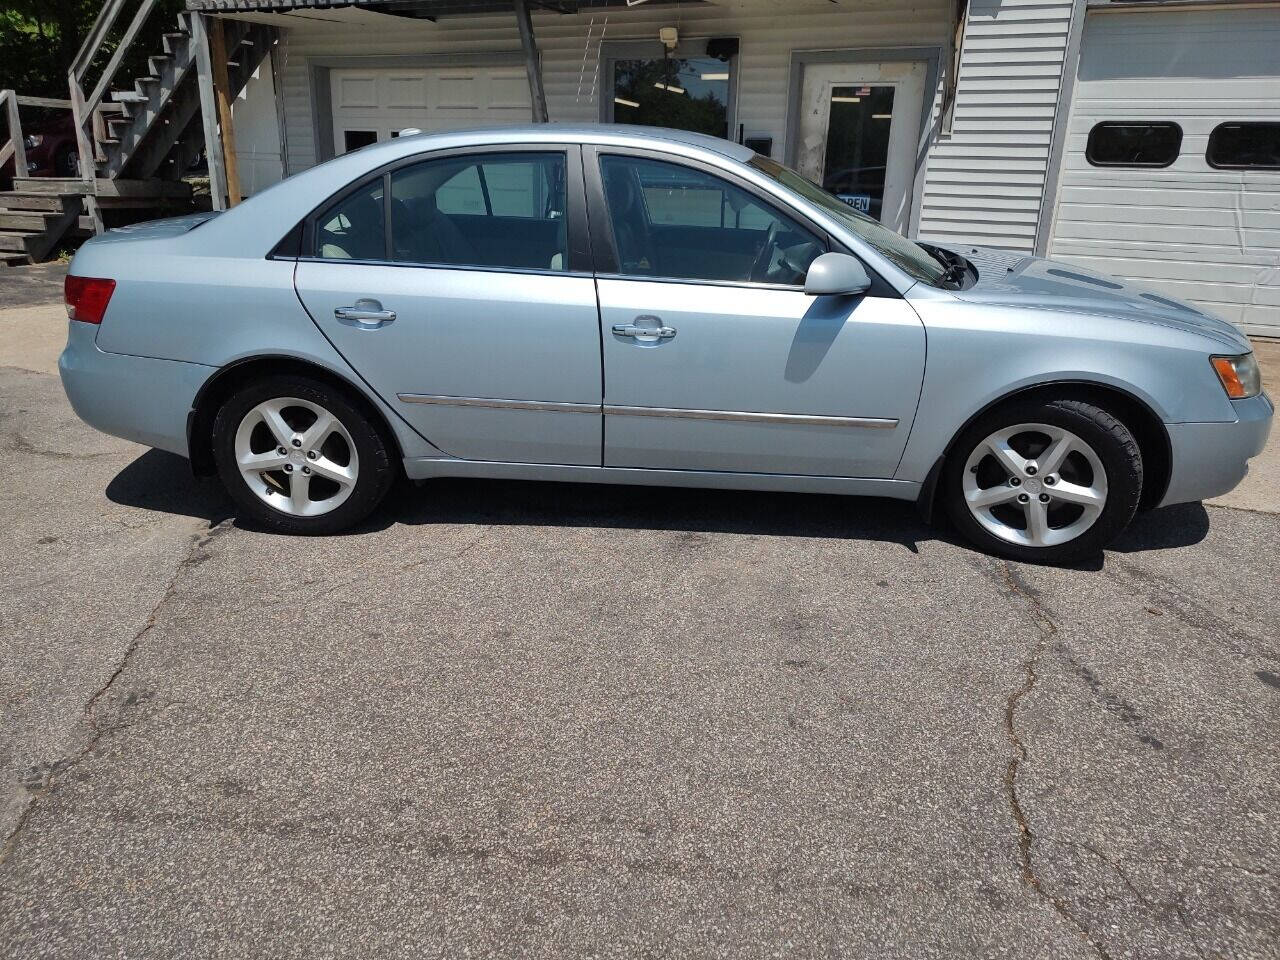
{"x": 1044, "y": 481}
{"x": 298, "y": 456}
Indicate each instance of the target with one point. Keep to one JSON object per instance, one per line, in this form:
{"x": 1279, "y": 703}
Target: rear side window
{"x": 1245, "y": 146}
{"x": 502, "y": 210}
{"x": 353, "y": 228}
{"x": 1133, "y": 144}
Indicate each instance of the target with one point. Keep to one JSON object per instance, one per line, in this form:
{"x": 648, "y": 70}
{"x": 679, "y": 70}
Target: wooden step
{"x": 52, "y": 202}
{"x": 26, "y": 219}
{"x": 59, "y": 186}
{"x": 15, "y": 241}
{"x": 14, "y": 259}
{"x": 128, "y": 96}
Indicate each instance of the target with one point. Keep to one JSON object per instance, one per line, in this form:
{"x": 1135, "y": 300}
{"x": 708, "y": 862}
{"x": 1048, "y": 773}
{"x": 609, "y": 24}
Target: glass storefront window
{"x": 686, "y": 93}
{"x": 858, "y": 146}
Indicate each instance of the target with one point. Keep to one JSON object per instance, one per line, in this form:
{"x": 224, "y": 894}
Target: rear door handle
{"x": 365, "y": 315}
{"x": 633, "y": 330}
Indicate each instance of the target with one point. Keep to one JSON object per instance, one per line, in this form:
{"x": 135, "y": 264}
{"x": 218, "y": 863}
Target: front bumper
{"x": 138, "y": 398}
{"x": 1210, "y": 459}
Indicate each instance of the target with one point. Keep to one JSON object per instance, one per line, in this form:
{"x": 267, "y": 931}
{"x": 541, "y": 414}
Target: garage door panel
{"x": 1206, "y": 235}
{"x": 442, "y": 98}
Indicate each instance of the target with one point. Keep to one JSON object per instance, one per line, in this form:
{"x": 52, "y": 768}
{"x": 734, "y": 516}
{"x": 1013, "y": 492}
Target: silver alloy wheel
{"x": 285, "y": 445}
{"x": 1035, "y": 485}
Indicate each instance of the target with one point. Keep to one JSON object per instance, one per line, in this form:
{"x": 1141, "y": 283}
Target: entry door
{"x": 715, "y": 359}
{"x": 474, "y": 316}
{"x": 859, "y": 129}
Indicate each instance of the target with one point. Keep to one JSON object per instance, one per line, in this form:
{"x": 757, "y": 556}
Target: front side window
{"x": 1245, "y": 146}
{"x": 502, "y": 210}
{"x": 909, "y": 257}
{"x": 675, "y": 222}
{"x": 1124, "y": 144}
{"x": 353, "y": 228}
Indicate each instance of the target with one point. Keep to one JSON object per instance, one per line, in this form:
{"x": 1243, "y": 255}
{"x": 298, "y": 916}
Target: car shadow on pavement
{"x": 163, "y": 481}
{"x": 1180, "y": 525}
{"x": 159, "y": 480}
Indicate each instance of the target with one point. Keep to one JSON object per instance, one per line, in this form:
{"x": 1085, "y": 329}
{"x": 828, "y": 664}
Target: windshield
{"x": 910, "y": 257}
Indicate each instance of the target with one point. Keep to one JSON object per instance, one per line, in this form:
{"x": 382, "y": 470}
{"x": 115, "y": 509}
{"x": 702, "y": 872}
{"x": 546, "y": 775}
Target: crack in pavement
{"x": 39, "y": 779}
{"x": 1046, "y": 630}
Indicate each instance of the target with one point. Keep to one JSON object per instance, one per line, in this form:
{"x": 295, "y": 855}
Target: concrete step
{"x": 14, "y": 259}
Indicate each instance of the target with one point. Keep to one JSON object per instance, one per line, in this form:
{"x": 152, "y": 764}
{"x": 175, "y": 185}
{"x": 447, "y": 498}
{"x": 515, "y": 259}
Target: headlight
{"x": 32, "y": 140}
{"x": 1239, "y": 375}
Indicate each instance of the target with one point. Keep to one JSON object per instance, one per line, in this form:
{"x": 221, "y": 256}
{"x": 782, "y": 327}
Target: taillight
{"x": 87, "y": 297}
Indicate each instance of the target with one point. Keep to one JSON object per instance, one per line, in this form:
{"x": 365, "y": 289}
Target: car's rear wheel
{"x": 298, "y": 456}
{"x": 1045, "y": 482}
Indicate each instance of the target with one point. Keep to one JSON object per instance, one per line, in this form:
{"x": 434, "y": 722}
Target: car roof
{"x": 611, "y": 133}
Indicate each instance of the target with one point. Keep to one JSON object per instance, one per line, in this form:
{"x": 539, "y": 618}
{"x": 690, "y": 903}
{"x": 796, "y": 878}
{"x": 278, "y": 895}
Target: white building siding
{"x": 1206, "y": 235}
{"x": 984, "y": 183}
{"x": 769, "y": 30}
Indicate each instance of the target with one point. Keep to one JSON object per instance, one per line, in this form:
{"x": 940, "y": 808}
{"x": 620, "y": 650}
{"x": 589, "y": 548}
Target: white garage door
{"x": 1207, "y": 234}
{"x": 372, "y": 105}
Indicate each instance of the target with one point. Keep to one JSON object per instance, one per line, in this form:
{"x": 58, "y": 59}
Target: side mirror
{"x": 836, "y": 275}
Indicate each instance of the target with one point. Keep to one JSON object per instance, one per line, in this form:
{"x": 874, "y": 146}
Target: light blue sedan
{"x": 620, "y": 305}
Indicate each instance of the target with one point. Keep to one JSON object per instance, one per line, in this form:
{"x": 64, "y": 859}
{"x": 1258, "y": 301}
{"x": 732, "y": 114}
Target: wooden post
{"x": 208, "y": 111}
{"x": 531, "y": 63}
{"x": 15, "y": 133}
{"x": 223, "y": 93}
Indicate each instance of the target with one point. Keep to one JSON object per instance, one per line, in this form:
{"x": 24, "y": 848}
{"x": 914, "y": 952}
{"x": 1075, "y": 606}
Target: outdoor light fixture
{"x": 669, "y": 36}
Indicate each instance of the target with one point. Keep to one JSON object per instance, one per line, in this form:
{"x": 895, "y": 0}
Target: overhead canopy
{"x": 424, "y": 9}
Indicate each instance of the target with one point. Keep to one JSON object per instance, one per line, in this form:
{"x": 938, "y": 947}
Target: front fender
{"x": 978, "y": 355}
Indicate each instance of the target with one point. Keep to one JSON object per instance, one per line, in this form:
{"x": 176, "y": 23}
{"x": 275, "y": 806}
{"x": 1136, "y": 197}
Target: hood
{"x": 1035, "y": 283}
{"x": 156, "y": 229}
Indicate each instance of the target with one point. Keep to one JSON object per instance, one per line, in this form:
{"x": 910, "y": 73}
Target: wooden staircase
{"x": 35, "y": 216}
{"x": 138, "y": 142}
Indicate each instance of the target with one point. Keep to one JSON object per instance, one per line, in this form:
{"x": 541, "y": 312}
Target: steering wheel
{"x": 761, "y": 264}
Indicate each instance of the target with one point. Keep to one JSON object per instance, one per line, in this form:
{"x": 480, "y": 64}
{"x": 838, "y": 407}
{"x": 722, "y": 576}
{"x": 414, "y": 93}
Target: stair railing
{"x": 84, "y": 108}
{"x": 15, "y": 146}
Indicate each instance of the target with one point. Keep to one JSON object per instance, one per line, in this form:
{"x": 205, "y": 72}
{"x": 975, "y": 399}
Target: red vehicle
{"x": 51, "y": 150}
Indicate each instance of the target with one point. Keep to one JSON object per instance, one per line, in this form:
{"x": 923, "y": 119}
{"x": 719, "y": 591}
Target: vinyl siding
{"x": 769, "y": 32}
{"x": 1205, "y": 235}
{"x": 985, "y": 182}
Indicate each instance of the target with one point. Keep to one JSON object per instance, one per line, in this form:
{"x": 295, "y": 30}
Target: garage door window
{"x": 503, "y": 210}
{"x": 1245, "y": 146}
{"x": 1133, "y": 144}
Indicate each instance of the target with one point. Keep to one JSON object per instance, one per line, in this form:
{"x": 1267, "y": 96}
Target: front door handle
{"x": 644, "y": 332}
{"x": 365, "y": 315}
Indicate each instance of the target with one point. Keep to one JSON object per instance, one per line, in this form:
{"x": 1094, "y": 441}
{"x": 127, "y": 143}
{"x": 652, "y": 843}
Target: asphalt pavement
{"x": 536, "y": 720}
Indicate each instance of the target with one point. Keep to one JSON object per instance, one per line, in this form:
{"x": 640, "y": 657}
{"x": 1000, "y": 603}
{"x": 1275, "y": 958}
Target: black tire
{"x": 1110, "y": 440}
{"x": 375, "y": 477}
{"x": 67, "y": 163}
